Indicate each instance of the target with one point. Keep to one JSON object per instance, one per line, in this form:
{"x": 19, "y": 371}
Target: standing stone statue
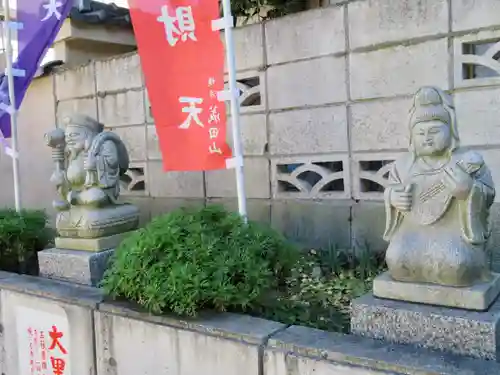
{"x": 90, "y": 221}
{"x": 438, "y": 201}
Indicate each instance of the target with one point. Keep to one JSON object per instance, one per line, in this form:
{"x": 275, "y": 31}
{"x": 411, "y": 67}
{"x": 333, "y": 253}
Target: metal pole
{"x": 12, "y": 97}
{"x": 235, "y": 110}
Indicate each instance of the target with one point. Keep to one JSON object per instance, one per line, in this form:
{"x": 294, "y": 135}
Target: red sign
{"x": 183, "y": 63}
{"x": 40, "y": 354}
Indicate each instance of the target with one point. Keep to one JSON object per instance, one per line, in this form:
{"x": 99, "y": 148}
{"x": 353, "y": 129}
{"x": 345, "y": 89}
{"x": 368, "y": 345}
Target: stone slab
{"x": 302, "y": 350}
{"x": 477, "y": 297}
{"x": 455, "y": 331}
{"x": 90, "y": 244}
{"x": 81, "y": 267}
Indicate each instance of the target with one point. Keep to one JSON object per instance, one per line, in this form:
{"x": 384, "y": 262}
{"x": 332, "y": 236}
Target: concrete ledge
{"x": 129, "y": 342}
{"x": 477, "y": 297}
{"x": 312, "y": 350}
{"x": 59, "y": 291}
{"x": 227, "y": 325}
{"x": 460, "y": 332}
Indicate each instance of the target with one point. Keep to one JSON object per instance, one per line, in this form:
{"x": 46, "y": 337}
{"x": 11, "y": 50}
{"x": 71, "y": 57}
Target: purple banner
{"x": 41, "y": 21}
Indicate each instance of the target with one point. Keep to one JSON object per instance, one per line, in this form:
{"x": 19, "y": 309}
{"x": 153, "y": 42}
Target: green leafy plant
{"x": 246, "y": 9}
{"x": 195, "y": 259}
{"x": 320, "y": 290}
{"x": 22, "y": 235}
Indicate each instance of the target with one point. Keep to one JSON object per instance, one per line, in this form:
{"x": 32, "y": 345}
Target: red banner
{"x": 183, "y": 63}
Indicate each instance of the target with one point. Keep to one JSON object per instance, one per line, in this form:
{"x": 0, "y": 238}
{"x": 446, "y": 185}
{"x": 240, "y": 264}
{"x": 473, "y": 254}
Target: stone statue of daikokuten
{"x": 438, "y": 201}
{"x": 88, "y": 164}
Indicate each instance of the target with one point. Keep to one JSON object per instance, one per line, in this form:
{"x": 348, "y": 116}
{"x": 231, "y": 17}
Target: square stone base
{"x": 81, "y": 267}
{"x": 90, "y": 244}
{"x": 477, "y": 297}
{"x": 462, "y": 332}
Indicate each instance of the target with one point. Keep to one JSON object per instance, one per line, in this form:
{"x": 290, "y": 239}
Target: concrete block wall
{"x": 325, "y": 100}
{"x": 98, "y": 337}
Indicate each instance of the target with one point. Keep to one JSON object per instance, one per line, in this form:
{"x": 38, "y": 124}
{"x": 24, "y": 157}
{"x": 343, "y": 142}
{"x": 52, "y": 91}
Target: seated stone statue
{"x": 438, "y": 201}
{"x": 89, "y": 163}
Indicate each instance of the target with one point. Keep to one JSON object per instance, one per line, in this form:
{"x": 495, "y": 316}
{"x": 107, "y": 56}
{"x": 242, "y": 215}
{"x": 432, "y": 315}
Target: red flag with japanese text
{"x": 183, "y": 63}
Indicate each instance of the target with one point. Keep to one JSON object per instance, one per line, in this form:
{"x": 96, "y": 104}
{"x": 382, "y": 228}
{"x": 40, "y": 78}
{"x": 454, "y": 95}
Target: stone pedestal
{"x": 78, "y": 260}
{"x": 478, "y": 297}
{"x": 457, "y": 331}
{"x": 77, "y": 266}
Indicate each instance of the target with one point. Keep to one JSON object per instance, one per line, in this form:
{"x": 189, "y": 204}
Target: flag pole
{"x": 12, "y": 99}
{"x": 235, "y": 108}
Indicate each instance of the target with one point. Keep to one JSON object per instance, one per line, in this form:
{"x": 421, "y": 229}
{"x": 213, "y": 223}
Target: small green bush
{"x": 320, "y": 290}
{"x": 22, "y": 235}
{"x": 191, "y": 260}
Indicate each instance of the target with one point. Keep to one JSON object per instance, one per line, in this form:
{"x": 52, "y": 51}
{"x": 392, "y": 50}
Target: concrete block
{"x": 152, "y": 143}
{"x": 304, "y": 35}
{"x": 314, "y": 224}
{"x": 124, "y": 108}
{"x": 90, "y": 244}
{"x": 454, "y": 331}
{"x": 174, "y": 184}
{"x": 222, "y": 183}
{"x": 248, "y": 46}
{"x": 478, "y": 116}
{"x": 474, "y": 59}
{"x": 143, "y": 203}
{"x": 380, "y": 125}
{"x": 161, "y": 206}
{"x": 147, "y": 107}
{"x": 134, "y": 182}
{"x": 318, "y": 130}
{"x": 76, "y": 83}
{"x": 87, "y": 106}
{"x": 478, "y": 297}
{"x": 468, "y": 14}
{"x": 399, "y": 70}
{"x": 258, "y": 210}
{"x": 370, "y": 172}
{"x": 301, "y": 350}
{"x": 368, "y": 225}
{"x": 253, "y": 94}
{"x": 119, "y": 73}
{"x": 224, "y": 343}
{"x": 81, "y": 267}
{"x": 29, "y": 302}
{"x": 253, "y": 134}
{"x": 311, "y": 82}
{"x": 134, "y": 138}
{"x": 383, "y": 21}
{"x": 313, "y": 177}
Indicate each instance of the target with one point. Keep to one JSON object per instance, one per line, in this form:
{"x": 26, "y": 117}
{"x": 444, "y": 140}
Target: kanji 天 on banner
{"x": 183, "y": 63}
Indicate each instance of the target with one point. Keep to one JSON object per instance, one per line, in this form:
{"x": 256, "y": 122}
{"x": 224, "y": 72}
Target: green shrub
{"x": 21, "y": 237}
{"x": 320, "y": 290}
{"x": 190, "y": 260}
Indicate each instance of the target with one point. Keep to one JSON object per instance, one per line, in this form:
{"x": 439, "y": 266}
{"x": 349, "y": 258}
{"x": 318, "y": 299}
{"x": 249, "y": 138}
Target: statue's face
{"x": 75, "y": 138}
{"x": 431, "y": 138}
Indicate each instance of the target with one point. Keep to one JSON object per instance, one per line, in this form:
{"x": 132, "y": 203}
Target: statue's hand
{"x": 401, "y": 199}
{"x": 458, "y": 182}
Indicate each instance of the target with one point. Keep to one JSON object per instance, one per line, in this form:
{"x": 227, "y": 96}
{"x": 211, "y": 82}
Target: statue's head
{"x": 79, "y": 131}
{"x": 433, "y": 129}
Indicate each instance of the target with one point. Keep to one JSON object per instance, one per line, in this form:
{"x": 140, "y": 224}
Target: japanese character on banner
{"x": 213, "y": 149}
{"x": 182, "y": 26}
{"x": 52, "y": 8}
{"x": 192, "y": 111}
{"x": 214, "y": 115}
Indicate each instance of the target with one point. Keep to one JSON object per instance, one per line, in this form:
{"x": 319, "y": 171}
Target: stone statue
{"x": 438, "y": 201}
{"x": 88, "y": 166}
